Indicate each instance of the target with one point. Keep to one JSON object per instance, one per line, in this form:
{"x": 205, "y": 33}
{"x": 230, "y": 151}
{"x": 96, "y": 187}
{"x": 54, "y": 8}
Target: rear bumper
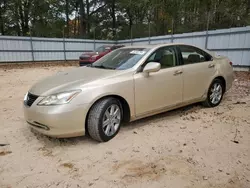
{"x": 60, "y": 121}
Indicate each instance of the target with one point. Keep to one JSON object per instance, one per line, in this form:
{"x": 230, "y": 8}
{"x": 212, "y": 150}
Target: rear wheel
{"x": 215, "y": 93}
{"x": 104, "y": 119}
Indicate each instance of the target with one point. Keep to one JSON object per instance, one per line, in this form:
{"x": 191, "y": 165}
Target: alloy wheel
{"x": 111, "y": 120}
{"x": 216, "y": 93}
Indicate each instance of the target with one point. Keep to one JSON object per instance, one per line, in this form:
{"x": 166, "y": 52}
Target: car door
{"x": 198, "y": 70}
{"x": 160, "y": 89}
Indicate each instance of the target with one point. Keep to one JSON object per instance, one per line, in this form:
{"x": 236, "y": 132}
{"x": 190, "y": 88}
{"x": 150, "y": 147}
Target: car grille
{"x": 31, "y": 99}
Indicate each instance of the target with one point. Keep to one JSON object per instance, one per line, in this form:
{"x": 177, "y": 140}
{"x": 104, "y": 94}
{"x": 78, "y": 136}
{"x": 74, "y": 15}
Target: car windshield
{"x": 121, "y": 59}
{"x": 102, "y": 49}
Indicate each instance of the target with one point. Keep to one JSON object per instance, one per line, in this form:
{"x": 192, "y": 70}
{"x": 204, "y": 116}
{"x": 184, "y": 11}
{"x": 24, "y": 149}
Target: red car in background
{"x": 90, "y": 57}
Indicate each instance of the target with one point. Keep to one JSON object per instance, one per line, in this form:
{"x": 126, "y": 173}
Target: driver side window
{"x": 166, "y": 56}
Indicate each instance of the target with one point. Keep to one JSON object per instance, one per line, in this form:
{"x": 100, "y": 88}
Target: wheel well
{"x": 223, "y": 81}
{"x": 125, "y": 109}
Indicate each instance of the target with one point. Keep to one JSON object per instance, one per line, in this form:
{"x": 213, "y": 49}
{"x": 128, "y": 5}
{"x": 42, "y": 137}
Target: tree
{"x": 119, "y": 19}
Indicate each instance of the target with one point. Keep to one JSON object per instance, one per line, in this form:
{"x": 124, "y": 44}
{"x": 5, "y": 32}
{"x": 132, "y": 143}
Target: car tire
{"x": 215, "y": 93}
{"x": 104, "y": 119}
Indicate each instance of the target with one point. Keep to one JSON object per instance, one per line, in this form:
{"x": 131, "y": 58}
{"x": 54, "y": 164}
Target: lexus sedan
{"x": 127, "y": 84}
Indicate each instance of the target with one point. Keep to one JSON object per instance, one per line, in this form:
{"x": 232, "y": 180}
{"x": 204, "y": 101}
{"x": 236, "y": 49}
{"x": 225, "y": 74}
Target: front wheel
{"x": 104, "y": 119}
{"x": 215, "y": 94}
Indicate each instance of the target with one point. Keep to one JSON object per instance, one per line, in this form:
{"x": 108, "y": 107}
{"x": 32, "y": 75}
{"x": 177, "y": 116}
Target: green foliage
{"x": 119, "y": 19}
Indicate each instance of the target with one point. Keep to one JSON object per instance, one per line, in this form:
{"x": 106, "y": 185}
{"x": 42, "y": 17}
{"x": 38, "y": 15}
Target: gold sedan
{"x": 127, "y": 84}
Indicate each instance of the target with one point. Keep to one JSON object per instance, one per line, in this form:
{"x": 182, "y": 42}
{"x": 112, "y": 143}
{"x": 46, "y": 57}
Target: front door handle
{"x": 211, "y": 66}
{"x": 178, "y": 72}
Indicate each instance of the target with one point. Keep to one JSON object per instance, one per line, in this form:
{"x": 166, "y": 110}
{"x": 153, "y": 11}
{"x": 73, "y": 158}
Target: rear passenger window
{"x": 191, "y": 55}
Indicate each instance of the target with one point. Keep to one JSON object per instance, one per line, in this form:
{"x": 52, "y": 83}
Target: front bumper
{"x": 61, "y": 121}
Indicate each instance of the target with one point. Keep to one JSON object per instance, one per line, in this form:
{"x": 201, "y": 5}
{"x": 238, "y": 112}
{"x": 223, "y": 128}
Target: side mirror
{"x": 152, "y": 67}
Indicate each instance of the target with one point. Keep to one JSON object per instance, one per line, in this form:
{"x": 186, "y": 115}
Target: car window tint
{"x": 165, "y": 56}
{"x": 191, "y": 55}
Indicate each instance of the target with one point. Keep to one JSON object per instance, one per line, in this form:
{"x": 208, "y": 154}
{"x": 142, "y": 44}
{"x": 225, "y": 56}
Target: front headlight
{"x": 59, "y": 98}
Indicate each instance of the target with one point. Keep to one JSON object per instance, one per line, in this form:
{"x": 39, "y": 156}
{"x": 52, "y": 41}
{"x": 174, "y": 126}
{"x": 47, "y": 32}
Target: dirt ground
{"x": 192, "y": 147}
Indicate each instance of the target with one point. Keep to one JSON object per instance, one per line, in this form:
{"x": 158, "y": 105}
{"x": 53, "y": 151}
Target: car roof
{"x": 154, "y": 45}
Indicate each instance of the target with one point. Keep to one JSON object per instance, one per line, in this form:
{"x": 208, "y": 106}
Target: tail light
{"x": 231, "y": 63}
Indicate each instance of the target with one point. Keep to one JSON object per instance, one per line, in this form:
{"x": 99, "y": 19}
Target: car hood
{"x": 70, "y": 80}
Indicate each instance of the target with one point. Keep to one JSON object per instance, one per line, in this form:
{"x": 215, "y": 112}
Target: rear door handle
{"x": 178, "y": 72}
{"x": 211, "y": 66}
